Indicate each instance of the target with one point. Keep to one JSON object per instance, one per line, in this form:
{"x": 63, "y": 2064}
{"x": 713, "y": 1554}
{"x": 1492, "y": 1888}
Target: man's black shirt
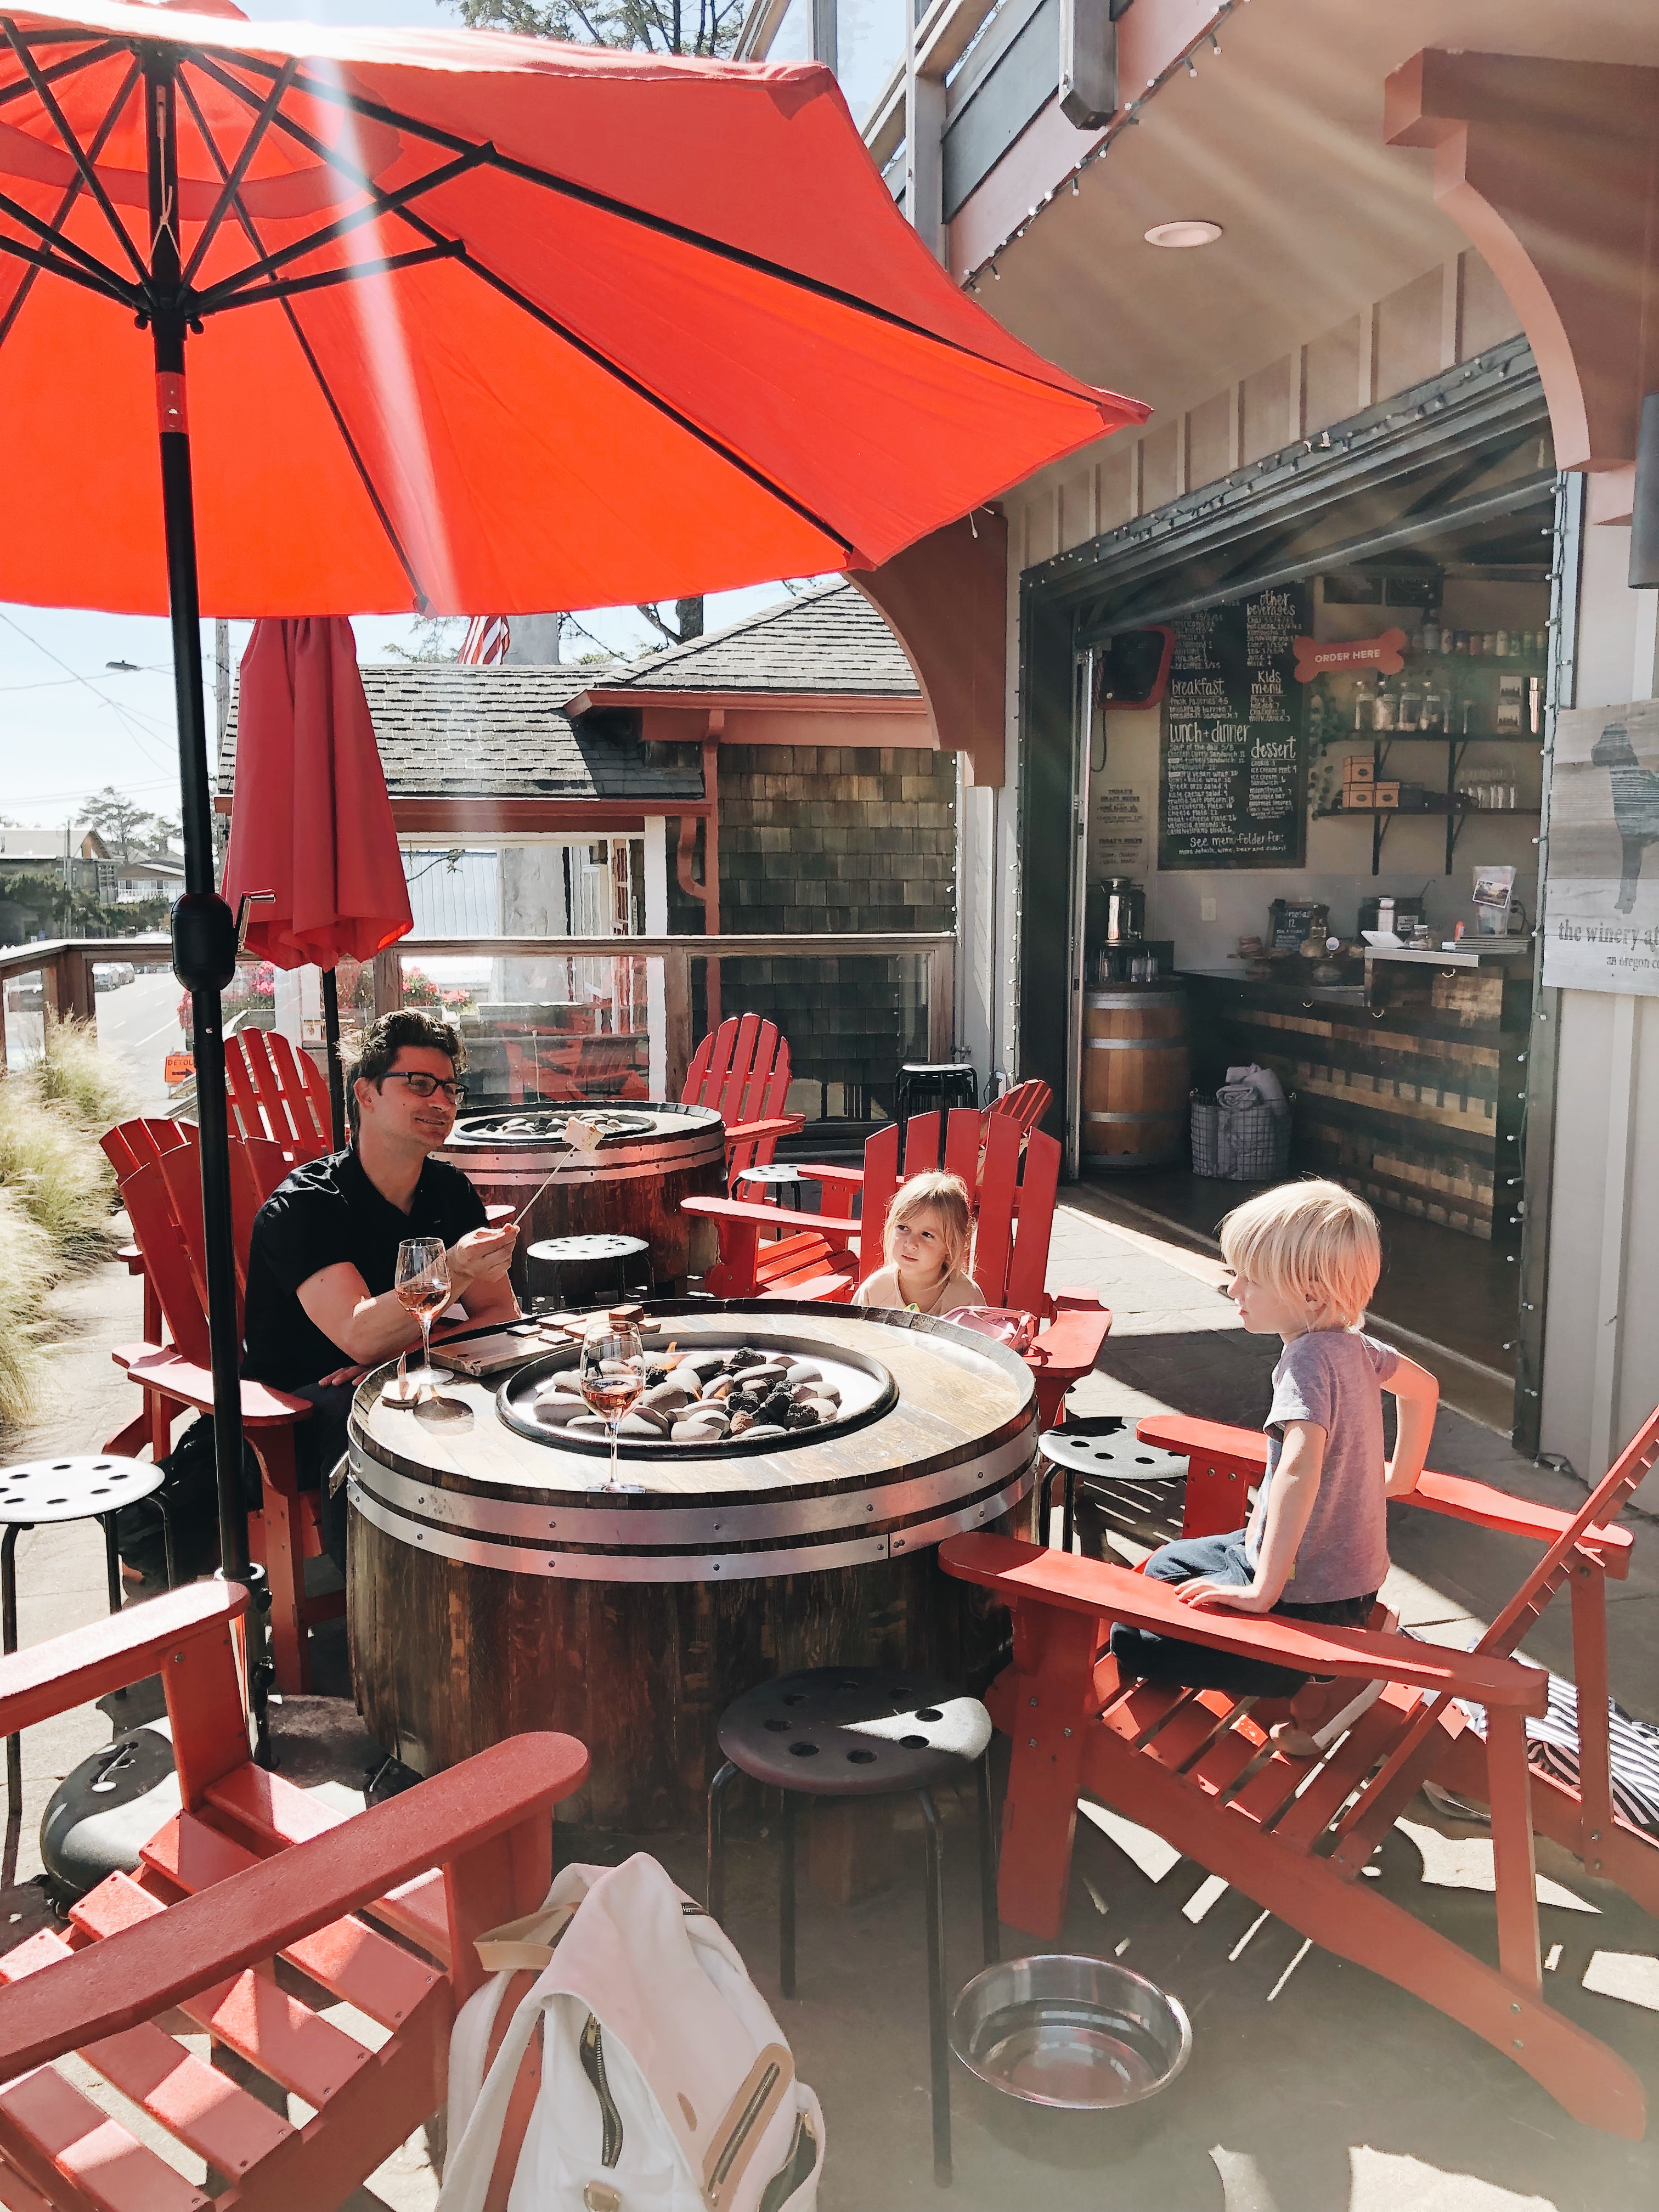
{"x": 327, "y": 1212}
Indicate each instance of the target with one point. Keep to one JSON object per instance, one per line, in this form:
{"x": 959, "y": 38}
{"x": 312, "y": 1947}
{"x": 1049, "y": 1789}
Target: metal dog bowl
{"x": 1081, "y": 2033}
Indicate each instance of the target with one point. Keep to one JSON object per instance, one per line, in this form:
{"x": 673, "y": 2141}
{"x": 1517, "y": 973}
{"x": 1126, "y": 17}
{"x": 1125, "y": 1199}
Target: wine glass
{"x": 612, "y": 1376}
{"x": 422, "y": 1286}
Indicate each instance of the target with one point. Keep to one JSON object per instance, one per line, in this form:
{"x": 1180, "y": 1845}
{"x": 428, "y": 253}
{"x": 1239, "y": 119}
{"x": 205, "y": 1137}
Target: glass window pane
{"x": 792, "y": 40}
{"x": 869, "y": 45}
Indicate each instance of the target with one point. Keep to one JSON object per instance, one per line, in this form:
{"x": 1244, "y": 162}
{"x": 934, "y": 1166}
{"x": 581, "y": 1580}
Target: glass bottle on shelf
{"x": 1434, "y": 706}
{"x": 1409, "y": 710}
{"x": 1385, "y": 709}
{"x": 1431, "y": 632}
{"x": 1364, "y": 704}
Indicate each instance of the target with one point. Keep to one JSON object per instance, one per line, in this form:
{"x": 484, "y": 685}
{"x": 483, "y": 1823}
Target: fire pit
{"x": 649, "y": 1158}
{"x": 498, "y": 1584}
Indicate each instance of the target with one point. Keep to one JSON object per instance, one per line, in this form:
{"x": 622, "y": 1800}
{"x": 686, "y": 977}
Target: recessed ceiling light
{"x": 1187, "y": 233}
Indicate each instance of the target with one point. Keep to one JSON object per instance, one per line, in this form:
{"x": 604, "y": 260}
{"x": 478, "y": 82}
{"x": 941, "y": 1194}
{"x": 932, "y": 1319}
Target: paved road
{"x": 140, "y": 1022}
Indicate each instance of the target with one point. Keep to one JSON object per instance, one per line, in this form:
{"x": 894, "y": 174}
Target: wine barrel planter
{"x": 497, "y": 1584}
{"x": 1136, "y": 1074}
{"x": 650, "y": 1156}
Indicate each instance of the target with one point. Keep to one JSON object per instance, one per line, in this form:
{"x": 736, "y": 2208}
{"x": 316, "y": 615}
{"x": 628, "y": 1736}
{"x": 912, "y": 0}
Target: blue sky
{"x": 68, "y": 724}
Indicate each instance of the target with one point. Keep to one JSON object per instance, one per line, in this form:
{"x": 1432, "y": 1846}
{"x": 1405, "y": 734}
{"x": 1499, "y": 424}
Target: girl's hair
{"x": 1313, "y": 1242}
{"x": 946, "y": 1195}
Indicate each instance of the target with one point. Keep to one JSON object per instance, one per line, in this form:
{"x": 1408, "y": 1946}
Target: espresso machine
{"x": 1116, "y": 930}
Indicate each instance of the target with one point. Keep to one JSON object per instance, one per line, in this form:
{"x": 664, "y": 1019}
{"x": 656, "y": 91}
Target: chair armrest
{"x": 1072, "y": 1341}
{"x": 770, "y": 1217}
{"x": 136, "y": 1974}
{"x": 1021, "y": 1572}
{"x": 1477, "y": 1502}
{"x": 262, "y": 1407}
{"x": 820, "y": 1171}
{"x": 1214, "y": 1442}
{"x": 782, "y": 1125}
{"x": 108, "y": 1655}
{"x": 133, "y": 1257}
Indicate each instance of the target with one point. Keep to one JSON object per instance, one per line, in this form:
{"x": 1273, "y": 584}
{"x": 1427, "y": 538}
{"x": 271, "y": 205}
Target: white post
{"x": 656, "y": 924}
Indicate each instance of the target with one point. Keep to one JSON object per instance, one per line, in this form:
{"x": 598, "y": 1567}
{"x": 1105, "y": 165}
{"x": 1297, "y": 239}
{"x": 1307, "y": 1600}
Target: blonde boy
{"x": 1305, "y": 1260}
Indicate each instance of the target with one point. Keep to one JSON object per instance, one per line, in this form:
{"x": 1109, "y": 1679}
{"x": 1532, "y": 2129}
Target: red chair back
{"x": 1025, "y": 1104}
{"x": 741, "y": 1070}
{"x": 1014, "y": 1196}
{"x": 275, "y": 1092}
{"x": 130, "y": 1146}
{"x": 163, "y": 1200}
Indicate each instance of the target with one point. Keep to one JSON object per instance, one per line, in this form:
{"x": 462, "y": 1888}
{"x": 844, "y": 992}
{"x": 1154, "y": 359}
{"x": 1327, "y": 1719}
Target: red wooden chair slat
{"x": 139, "y": 1952}
{"x": 994, "y": 1235}
{"x": 1025, "y": 1105}
{"x": 741, "y": 1070}
{"x": 1295, "y": 1834}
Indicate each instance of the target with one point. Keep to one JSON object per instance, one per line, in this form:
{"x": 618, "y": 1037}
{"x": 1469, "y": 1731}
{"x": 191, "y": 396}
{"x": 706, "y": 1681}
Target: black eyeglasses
{"x": 426, "y": 1086}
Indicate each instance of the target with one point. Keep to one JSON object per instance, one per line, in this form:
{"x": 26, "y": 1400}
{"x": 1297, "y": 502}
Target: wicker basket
{"x": 1241, "y": 1144}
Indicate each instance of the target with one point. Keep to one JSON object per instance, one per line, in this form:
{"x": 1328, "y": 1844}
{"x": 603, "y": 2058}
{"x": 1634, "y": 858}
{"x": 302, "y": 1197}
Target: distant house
{"x": 128, "y": 883}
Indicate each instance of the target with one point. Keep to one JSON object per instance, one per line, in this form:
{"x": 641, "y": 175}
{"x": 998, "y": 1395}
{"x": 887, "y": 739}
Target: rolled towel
{"x": 1263, "y": 1081}
{"x": 1238, "y": 1097}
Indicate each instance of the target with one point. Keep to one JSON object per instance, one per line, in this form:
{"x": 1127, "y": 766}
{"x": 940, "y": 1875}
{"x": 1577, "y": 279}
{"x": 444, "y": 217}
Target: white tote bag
{"x": 664, "y": 2084}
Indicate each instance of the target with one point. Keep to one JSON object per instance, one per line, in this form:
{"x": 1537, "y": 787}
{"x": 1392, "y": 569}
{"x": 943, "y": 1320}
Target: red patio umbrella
{"x": 476, "y": 325}
{"x": 313, "y": 822}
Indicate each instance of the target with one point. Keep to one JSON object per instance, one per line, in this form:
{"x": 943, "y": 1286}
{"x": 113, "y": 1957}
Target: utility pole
{"x": 221, "y": 677}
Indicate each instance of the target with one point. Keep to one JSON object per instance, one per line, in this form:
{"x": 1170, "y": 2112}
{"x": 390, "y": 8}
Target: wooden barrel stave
{"x": 1136, "y": 1075}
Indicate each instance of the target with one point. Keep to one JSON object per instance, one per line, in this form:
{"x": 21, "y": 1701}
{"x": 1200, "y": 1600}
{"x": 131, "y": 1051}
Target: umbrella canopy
{"x": 488, "y": 324}
{"x": 313, "y": 822}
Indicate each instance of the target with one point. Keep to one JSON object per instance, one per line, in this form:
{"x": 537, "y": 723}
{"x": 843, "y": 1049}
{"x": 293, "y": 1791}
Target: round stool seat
{"x": 772, "y": 1174}
{"x": 1116, "y": 1459}
{"x": 562, "y": 1251}
{"x": 74, "y": 1488}
{"x": 958, "y": 1070}
{"x": 854, "y": 1731}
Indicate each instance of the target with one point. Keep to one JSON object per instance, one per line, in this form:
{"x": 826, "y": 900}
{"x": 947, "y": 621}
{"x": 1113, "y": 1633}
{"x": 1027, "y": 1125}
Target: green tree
{"x": 437, "y": 637}
{"x": 117, "y": 821}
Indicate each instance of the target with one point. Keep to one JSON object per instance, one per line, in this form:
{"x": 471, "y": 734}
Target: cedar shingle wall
{"x": 819, "y": 839}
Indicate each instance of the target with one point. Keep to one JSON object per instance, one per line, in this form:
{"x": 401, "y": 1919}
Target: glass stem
{"x": 426, "y": 1344}
{"x": 615, "y": 1429}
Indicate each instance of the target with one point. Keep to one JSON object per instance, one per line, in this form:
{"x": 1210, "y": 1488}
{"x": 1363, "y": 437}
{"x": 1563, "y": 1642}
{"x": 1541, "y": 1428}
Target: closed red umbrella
{"x": 476, "y": 325}
{"x": 312, "y": 824}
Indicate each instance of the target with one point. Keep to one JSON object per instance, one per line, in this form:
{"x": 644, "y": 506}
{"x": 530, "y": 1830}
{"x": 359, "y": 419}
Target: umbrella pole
{"x": 331, "y": 1039}
{"x": 203, "y": 928}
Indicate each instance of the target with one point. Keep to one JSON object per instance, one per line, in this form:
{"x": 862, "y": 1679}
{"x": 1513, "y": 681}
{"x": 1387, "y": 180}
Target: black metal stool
{"x": 838, "y": 1732}
{"x": 923, "y": 1082}
{"x": 557, "y": 1252}
{"x": 1085, "y": 1449}
{"x": 786, "y": 1180}
{"x": 82, "y": 1487}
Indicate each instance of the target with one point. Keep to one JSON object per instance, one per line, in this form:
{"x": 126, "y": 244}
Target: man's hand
{"x": 481, "y": 1256}
{"x": 1204, "y": 1592}
{"x": 341, "y": 1375}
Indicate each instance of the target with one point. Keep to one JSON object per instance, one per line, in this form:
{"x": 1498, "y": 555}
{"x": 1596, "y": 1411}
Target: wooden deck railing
{"x": 66, "y": 966}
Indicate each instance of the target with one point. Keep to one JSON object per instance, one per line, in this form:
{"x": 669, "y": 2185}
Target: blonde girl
{"x": 929, "y": 1234}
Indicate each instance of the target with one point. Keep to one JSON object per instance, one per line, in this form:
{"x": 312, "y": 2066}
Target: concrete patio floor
{"x": 1313, "y": 2087}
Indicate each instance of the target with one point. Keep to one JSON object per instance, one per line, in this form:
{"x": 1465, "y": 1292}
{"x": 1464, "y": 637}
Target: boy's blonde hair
{"x": 946, "y": 1195}
{"x": 1313, "y": 1242}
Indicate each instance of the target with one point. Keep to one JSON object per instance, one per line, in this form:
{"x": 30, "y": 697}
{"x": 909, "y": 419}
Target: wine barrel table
{"x": 649, "y": 1158}
{"x": 497, "y": 1583}
{"x": 1136, "y": 1074}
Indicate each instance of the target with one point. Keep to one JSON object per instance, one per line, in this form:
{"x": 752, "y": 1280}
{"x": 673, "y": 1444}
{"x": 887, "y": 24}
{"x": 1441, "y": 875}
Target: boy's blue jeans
{"x": 1170, "y": 1659}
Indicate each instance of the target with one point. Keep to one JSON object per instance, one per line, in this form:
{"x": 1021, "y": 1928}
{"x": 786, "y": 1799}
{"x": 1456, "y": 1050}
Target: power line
{"x": 75, "y": 675}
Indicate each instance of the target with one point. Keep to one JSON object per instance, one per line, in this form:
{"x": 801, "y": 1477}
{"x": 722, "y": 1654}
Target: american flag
{"x": 487, "y": 637}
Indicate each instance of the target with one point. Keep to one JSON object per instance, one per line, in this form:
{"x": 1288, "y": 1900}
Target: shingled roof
{"x": 445, "y": 731}
{"x": 829, "y": 641}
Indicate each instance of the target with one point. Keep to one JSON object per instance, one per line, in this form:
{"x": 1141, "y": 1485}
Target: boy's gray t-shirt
{"x": 1333, "y": 1377}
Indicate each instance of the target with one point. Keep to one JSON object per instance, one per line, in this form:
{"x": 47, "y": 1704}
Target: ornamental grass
{"x": 28, "y": 1268}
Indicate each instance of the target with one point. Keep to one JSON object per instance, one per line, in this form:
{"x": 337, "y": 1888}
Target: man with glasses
{"x": 321, "y": 1308}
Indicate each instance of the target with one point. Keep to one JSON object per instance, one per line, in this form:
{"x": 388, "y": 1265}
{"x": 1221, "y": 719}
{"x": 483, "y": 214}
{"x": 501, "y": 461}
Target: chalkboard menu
{"x": 1232, "y": 766}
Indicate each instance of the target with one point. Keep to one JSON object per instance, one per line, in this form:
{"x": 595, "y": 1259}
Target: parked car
{"x": 26, "y": 997}
{"x": 110, "y": 974}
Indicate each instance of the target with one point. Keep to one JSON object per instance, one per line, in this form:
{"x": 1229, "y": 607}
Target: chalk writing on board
{"x": 1233, "y": 763}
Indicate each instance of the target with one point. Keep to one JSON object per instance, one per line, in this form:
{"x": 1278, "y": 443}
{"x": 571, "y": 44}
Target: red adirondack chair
{"x": 742, "y": 1070}
{"x": 380, "y": 1910}
{"x": 277, "y": 1092}
{"x": 1025, "y": 1104}
{"x": 1295, "y": 1834}
{"x": 823, "y": 1255}
{"x": 163, "y": 1198}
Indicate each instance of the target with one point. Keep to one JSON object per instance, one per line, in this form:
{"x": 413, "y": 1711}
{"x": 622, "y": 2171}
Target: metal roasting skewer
{"x": 583, "y": 1137}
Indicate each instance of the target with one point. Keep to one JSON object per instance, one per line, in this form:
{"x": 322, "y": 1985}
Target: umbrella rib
{"x": 251, "y": 230}
{"x": 604, "y": 203}
{"x": 232, "y": 182}
{"x": 285, "y": 287}
{"x": 94, "y": 276}
{"x": 77, "y": 152}
{"x": 72, "y": 67}
{"x": 224, "y": 294}
{"x": 71, "y": 194}
{"x": 550, "y": 322}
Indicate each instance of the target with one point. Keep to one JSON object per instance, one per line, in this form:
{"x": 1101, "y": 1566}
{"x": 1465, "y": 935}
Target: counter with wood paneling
{"x": 1407, "y": 1087}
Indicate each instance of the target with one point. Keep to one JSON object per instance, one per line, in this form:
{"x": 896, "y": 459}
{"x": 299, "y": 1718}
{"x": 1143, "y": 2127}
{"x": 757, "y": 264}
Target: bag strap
{"x": 738, "y": 2134}
{"x": 529, "y": 1942}
{"x": 521, "y": 2102}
